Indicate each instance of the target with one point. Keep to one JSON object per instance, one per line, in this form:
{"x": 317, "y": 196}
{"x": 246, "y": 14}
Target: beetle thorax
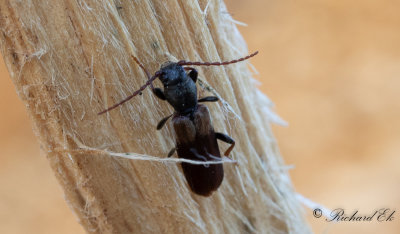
{"x": 179, "y": 89}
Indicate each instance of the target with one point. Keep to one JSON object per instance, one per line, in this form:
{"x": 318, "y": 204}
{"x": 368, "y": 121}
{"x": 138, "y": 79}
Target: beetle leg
{"x": 171, "y": 152}
{"x": 209, "y": 99}
{"x": 159, "y": 93}
{"x": 162, "y": 122}
{"x": 193, "y": 73}
{"x": 227, "y": 139}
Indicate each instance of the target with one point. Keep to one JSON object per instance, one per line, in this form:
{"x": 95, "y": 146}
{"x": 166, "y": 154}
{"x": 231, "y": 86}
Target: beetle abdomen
{"x": 196, "y": 141}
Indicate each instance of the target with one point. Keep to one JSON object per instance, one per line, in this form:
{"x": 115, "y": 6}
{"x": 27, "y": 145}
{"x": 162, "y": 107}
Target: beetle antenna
{"x": 183, "y": 62}
{"x": 143, "y": 68}
{"x": 149, "y": 82}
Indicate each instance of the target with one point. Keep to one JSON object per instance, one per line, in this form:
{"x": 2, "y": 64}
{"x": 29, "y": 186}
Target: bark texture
{"x": 71, "y": 59}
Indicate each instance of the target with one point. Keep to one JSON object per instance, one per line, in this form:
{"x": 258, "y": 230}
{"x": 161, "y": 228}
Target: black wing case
{"x": 195, "y": 140}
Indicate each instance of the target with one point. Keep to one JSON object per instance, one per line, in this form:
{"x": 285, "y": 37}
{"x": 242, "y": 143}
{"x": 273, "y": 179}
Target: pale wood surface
{"x": 69, "y": 60}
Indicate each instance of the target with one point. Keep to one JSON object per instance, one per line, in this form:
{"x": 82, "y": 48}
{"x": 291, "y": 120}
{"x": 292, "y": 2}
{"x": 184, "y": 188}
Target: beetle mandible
{"x": 195, "y": 135}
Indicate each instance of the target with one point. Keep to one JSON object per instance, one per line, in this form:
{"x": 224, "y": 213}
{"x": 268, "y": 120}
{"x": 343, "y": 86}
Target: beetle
{"x": 195, "y": 135}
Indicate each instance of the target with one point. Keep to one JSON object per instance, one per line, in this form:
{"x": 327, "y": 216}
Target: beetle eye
{"x": 161, "y": 76}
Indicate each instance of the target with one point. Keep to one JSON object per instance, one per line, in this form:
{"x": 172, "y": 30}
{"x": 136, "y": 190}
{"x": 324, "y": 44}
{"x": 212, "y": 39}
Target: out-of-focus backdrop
{"x": 333, "y": 70}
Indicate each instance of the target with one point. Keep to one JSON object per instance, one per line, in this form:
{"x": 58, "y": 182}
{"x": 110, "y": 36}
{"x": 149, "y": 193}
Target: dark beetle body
{"x": 195, "y": 136}
{"x": 195, "y": 140}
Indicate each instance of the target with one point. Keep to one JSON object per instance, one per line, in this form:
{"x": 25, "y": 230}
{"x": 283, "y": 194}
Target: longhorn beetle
{"x": 195, "y": 135}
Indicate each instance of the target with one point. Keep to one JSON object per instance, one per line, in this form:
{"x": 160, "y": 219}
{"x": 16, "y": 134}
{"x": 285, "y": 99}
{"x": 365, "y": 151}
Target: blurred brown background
{"x": 333, "y": 70}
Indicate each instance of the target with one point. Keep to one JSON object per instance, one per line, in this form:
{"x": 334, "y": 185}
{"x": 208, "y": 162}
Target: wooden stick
{"x": 71, "y": 59}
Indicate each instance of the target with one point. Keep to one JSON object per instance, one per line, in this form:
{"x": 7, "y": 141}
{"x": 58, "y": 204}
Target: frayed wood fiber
{"x": 71, "y": 59}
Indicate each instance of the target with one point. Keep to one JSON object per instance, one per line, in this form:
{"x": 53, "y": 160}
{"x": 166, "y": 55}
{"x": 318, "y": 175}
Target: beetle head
{"x": 172, "y": 74}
